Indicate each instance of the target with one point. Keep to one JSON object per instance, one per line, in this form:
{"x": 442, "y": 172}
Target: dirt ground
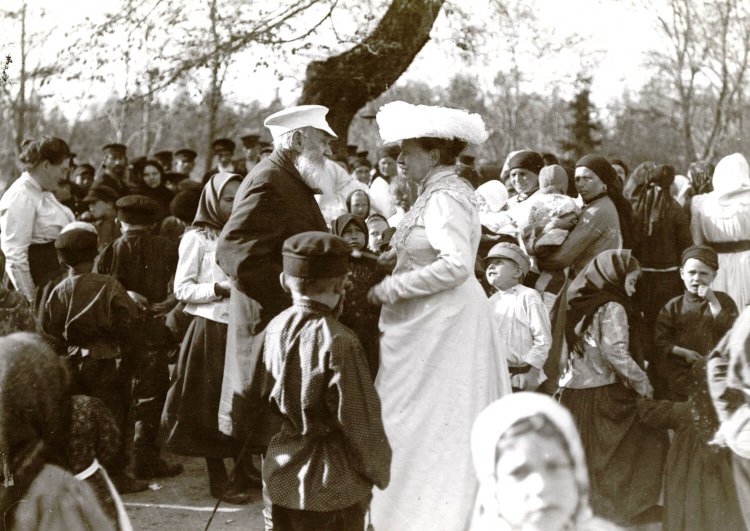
{"x": 183, "y": 503}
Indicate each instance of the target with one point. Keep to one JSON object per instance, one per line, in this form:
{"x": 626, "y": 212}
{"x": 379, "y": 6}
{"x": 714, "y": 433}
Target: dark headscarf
{"x": 604, "y": 170}
{"x": 340, "y": 223}
{"x": 349, "y": 201}
{"x": 654, "y": 202}
{"x": 208, "y": 207}
{"x": 602, "y": 281}
{"x": 701, "y": 175}
{"x": 636, "y": 183}
{"x": 34, "y": 413}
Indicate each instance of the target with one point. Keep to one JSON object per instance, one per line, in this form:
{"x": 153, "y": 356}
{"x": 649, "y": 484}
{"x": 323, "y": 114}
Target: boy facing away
{"x": 690, "y": 326}
{"x": 145, "y": 265}
{"x": 331, "y": 447}
{"x": 522, "y": 319}
{"x": 92, "y": 315}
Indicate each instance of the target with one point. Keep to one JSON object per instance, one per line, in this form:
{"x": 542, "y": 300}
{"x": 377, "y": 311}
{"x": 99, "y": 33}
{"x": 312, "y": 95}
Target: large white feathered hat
{"x": 400, "y": 120}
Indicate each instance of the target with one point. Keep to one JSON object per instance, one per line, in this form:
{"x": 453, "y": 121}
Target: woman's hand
{"x": 223, "y": 288}
{"x": 373, "y": 297}
{"x": 387, "y": 260}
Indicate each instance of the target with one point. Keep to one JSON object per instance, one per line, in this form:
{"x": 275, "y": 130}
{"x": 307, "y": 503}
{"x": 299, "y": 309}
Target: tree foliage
{"x": 584, "y": 131}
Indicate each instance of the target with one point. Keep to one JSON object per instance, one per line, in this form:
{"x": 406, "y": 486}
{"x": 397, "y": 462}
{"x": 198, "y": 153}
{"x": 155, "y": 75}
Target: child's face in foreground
{"x": 502, "y": 273}
{"x": 695, "y": 274}
{"x": 354, "y": 236}
{"x": 376, "y": 228}
{"x": 535, "y": 486}
{"x": 631, "y": 279}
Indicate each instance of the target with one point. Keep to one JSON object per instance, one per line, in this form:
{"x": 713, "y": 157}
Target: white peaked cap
{"x": 400, "y": 120}
{"x": 298, "y": 117}
{"x": 73, "y": 225}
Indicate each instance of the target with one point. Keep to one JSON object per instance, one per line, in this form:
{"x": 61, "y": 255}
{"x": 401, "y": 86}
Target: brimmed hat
{"x": 77, "y": 245}
{"x": 315, "y": 255}
{"x": 187, "y": 154}
{"x": 512, "y": 252}
{"x": 137, "y": 209}
{"x": 115, "y": 148}
{"x": 298, "y": 117}
{"x": 101, "y": 192}
{"x": 400, "y": 121}
{"x": 223, "y": 144}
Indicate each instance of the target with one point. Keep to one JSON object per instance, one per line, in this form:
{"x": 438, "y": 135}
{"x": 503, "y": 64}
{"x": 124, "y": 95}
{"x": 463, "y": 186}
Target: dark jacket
{"x": 272, "y": 204}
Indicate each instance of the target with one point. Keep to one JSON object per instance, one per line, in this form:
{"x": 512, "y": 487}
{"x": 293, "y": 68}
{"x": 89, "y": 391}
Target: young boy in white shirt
{"x": 522, "y": 319}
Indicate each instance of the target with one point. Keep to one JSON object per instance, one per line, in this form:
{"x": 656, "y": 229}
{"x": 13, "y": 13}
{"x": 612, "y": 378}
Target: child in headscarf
{"x": 190, "y": 416}
{"x": 364, "y": 272}
{"x": 531, "y": 468}
{"x": 606, "y": 362}
{"x": 553, "y": 180}
{"x": 699, "y": 489}
{"x": 37, "y": 491}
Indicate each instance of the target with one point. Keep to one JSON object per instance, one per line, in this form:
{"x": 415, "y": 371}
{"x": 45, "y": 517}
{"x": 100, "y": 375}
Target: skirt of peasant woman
{"x": 699, "y": 491}
{"x": 190, "y": 417}
{"x": 625, "y": 457}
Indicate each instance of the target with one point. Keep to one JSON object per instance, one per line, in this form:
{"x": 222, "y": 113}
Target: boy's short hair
{"x": 76, "y": 246}
{"x": 312, "y": 286}
{"x": 703, "y": 253}
{"x": 512, "y": 252}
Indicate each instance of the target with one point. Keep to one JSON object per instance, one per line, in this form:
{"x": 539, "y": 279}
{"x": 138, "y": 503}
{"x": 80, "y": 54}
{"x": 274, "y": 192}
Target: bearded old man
{"x": 275, "y": 201}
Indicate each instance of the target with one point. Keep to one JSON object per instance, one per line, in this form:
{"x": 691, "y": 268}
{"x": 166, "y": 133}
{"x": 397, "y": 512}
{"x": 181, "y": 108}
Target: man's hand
{"x": 164, "y": 307}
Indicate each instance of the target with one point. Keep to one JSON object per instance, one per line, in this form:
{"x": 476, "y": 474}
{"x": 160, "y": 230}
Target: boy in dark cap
{"x": 145, "y": 264}
{"x": 690, "y": 326}
{"x": 165, "y": 159}
{"x": 331, "y": 449}
{"x": 101, "y": 201}
{"x": 93, "y": 317}
{"x": 184, "y": 161}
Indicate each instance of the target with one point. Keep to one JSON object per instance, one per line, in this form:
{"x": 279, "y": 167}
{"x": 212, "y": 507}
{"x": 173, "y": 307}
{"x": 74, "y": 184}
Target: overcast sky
{"x": 619, "y": 30}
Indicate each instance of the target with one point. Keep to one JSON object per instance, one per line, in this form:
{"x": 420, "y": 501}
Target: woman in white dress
{"x": 721, "y": 219}
{"x": 439, "y": 362}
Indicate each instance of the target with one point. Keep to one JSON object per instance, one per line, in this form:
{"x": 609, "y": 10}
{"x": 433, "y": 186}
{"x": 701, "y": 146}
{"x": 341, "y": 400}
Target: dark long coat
{"x": 272, "y": 204}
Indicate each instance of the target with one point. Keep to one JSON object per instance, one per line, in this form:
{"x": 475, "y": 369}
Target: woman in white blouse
{"x": 439, "y": 359}
{"x": 190, "y": 417}
{"x": 31, "y": 218}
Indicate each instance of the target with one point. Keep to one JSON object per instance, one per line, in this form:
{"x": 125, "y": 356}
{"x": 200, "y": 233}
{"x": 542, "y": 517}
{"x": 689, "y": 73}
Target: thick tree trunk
{"x": 346, "y": 82}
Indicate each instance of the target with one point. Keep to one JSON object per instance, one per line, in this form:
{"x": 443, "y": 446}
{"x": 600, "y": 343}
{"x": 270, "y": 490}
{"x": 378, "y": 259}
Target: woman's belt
{"x": 731, "y": 247}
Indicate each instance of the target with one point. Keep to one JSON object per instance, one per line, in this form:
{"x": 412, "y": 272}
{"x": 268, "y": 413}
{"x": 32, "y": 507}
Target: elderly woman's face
{"x": 535, "y": 485}
{"x": 415, "y": 161}
{"x": 588, "y": 183}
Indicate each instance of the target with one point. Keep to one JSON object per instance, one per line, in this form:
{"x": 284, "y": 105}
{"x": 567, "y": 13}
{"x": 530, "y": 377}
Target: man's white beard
{"x": 313, "y": 172}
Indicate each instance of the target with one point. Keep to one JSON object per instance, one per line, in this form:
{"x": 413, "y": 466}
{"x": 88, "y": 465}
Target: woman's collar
{"x": 437, "y": 173}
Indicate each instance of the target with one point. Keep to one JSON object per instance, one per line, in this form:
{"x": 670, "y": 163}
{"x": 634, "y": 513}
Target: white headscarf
{"x": 494, "y": 421}
{"x": 732, "y": 174}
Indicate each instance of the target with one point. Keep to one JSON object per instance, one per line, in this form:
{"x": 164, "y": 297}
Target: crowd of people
{"x": 426, "y": 342}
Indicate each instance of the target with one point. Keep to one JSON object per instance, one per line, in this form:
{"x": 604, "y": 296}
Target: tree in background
{"x": 706, "y": 60}
{"x": 584, "y": 131}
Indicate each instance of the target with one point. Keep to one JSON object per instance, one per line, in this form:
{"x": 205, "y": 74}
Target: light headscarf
{"x": 495, "y": 194}
{"x": 499, "y": 417}
{"x": 732, "y": 174}
{"x": 208, "y": 214}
